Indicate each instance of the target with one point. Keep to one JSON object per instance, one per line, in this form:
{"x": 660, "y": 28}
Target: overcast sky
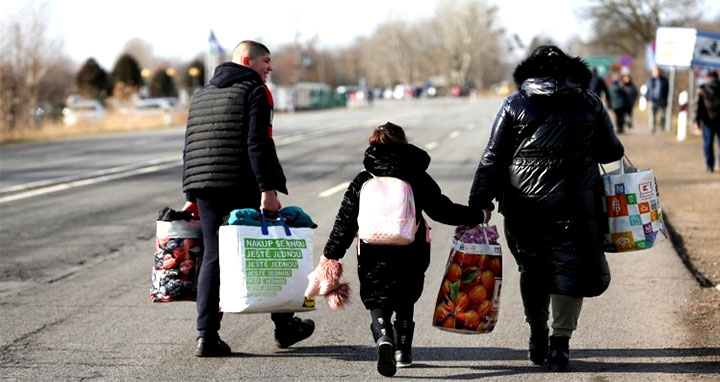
{"x": 179, "y": 29}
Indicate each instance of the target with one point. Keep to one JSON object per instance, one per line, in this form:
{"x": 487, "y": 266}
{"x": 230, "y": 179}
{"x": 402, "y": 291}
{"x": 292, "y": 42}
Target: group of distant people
{"x": 623, "y": 93}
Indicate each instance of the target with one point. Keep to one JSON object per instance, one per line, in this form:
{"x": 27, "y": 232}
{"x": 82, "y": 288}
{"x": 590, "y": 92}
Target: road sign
{"x": 707, "y": 50}
{"x": 685, "y": 47}
{"x": 674, "y": 46}
{"x": 602, "y": 64}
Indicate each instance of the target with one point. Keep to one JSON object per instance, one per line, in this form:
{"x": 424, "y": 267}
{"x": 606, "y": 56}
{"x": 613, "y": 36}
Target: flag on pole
{"x": 213, "y": 56}
{"x": 215, "y": 47}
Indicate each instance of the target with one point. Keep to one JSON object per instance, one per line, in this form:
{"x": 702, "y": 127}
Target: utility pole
{"x": 671, "y": 92}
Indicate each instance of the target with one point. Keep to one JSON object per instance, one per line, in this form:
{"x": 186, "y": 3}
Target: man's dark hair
{"x": 254, "y": 48}
{"x": 713, "y": 75}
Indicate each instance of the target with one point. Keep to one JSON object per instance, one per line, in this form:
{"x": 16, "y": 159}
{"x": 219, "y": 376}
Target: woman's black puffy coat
{"x": 541, "y": 163}
{"x": 392, "y": 277}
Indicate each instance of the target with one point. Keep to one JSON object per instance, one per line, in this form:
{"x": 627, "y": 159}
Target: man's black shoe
{"x": 293, "y": 332}
{"x": 207, "y": 347}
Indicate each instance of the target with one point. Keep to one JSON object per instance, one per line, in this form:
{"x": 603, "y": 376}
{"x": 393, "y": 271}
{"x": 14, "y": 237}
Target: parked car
{"x": 83, "y": 111}
{"x": 163, "y": 107}
{"x": 154, "y": 104}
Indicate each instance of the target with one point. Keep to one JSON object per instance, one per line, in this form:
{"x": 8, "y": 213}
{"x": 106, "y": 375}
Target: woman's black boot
{"x": 538, "y": 346}
{"x": 559, "y": 356}
{"x": 403, "y": 341}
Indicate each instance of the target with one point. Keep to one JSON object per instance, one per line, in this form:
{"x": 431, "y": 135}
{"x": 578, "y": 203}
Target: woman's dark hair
{"x": 388, "y": 133}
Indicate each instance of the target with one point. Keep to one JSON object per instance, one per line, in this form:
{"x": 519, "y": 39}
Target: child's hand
{"x": 325, "y": 281}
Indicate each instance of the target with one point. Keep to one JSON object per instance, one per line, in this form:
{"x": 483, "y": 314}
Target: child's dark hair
{"x": 388, "y": 133}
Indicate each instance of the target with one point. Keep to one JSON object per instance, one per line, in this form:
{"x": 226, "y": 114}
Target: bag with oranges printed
{"x": 469, "y": 298}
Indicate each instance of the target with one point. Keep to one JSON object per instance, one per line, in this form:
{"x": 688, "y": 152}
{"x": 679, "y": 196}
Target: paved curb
{"x": 679, "y": 244}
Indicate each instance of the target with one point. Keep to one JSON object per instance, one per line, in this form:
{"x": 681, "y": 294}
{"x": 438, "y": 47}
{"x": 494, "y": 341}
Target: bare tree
{"x": 392, "y": 61}
{"x": 27, "y": 56}
{"x": 711, "y": 24}
{"x": 347, "y": 64}
{"x": 537, "y": 41}
{"x": 625, "y": 26}
{"x": 460, "y": 44}
{"x": 57, "y": 85}
{"x": 285, "y": 62}
{"x": 468, "y": 41}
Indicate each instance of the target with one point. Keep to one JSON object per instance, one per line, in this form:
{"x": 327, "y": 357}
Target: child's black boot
{"x": 403, "y": 341}
{"x": 382, "y": 332}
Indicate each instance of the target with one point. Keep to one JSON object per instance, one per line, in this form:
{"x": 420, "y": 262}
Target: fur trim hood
{"x": 549, "y": 71}
{"x": 398, "y": 160}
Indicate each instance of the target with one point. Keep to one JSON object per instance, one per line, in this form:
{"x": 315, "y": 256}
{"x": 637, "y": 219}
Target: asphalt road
{"x": 77, "y": 240}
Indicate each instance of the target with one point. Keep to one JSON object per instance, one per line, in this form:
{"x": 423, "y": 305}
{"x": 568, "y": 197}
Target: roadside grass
{"x": 114, "y": 122}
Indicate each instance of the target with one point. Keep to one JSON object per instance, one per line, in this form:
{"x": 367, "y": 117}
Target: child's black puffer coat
{"x": 392, "y": 276}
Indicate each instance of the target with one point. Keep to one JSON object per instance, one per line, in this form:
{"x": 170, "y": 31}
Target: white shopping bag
{"x": 632, "y": 203}
{"x": 265, "y": 269}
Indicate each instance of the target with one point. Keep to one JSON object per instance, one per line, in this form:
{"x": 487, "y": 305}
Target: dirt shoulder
{"x": 690, "y": 197}
{"x": 113, "y": 122}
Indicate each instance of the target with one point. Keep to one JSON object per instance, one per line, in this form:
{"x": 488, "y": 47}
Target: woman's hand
{"x": 488, "y": 214}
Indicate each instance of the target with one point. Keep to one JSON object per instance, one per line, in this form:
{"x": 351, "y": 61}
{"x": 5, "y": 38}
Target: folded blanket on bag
{"x": 294, "y": 217}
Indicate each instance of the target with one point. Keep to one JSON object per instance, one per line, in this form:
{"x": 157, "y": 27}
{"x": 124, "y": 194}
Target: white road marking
{"x": 431, "y": 145}
{"x": 85, "y": 182}
{"x": 454, "y": 134}
{"x": 94, "y": 174}
{"x": 58, "y": 184}
{"x": 334, "y": 190}
{"x": 282, "y": 141}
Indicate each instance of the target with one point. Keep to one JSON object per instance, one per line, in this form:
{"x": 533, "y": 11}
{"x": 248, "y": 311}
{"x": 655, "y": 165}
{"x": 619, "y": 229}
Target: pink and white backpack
{"x": 387, "y": 213}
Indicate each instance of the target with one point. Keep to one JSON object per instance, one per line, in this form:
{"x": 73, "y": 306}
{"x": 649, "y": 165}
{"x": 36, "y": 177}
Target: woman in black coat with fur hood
{"x": 391, "y": 277}
{"x": 541, "y": 164}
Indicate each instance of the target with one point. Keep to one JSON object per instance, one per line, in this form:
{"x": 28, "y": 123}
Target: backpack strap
{"x": 371, "y": 174}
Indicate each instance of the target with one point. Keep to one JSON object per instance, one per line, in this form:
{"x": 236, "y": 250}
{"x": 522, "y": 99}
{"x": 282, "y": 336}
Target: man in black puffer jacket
{"x": 541, "y": 163}
{"x": 230, "y": 163}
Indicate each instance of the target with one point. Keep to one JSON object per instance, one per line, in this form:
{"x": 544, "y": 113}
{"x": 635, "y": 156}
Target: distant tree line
{"x": 461, "y": 44}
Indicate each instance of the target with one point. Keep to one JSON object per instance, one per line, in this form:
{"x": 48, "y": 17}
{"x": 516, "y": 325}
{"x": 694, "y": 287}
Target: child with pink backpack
{"x": 383, "y": 207}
